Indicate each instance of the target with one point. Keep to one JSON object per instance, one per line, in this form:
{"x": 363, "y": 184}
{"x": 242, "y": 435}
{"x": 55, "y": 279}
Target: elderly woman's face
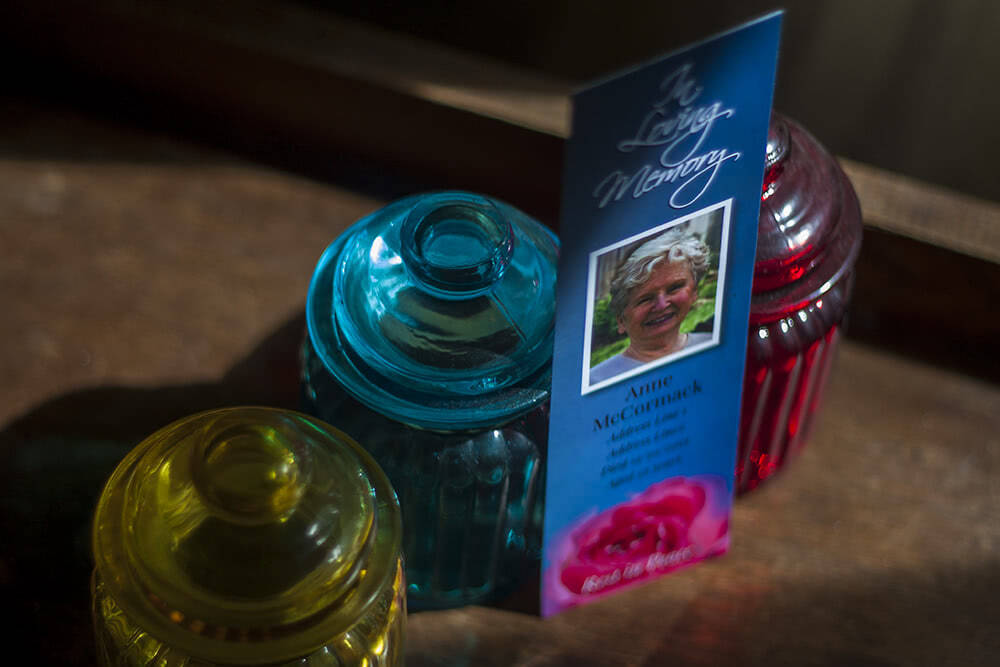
{"x": 658, "y": 306}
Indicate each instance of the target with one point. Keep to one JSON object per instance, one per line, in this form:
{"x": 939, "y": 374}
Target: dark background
{"x": 907, "y": 85}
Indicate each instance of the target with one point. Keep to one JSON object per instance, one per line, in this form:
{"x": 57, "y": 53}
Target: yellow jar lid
{"x": 247, "y": 535}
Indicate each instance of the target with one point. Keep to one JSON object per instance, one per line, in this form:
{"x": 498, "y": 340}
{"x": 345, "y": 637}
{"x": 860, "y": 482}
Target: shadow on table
{"x": 942, "y": 615}
{"x": 54, "y": 461}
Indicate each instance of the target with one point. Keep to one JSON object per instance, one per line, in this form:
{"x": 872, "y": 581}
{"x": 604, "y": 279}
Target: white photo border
{"x": 586, "y": 387}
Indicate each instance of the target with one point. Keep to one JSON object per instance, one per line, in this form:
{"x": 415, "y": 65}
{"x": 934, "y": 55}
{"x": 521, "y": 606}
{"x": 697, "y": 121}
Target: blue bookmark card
{"x": 660, "y": 202}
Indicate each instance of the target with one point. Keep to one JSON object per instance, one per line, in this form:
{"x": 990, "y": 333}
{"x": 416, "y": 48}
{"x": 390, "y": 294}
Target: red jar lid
{"x": 809, "y": 230}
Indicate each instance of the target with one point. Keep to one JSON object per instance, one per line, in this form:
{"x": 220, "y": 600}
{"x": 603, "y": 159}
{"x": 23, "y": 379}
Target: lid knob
{"x": 251, "y": 474}
{"x": 778, "y": 146}
{"x": 456, "y": 245}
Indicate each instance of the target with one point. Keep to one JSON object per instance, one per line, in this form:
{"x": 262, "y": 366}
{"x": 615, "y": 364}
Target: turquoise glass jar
{"x": 429, "y": 340}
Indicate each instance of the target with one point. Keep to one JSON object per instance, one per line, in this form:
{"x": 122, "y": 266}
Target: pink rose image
{"x": 671, "y": 524}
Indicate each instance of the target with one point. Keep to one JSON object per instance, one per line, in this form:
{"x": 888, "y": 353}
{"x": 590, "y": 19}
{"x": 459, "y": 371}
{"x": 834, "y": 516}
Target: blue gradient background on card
{"x": 735, "y": 74}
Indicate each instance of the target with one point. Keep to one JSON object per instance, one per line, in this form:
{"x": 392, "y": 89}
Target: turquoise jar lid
{"x": 438, "y": 311}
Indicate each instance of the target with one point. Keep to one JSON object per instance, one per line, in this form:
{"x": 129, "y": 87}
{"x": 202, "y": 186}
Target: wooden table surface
{"x": 142, "y": 279}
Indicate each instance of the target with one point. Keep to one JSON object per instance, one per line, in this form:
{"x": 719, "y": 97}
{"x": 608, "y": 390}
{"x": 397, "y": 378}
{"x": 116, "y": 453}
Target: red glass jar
{"x": 809, "y": 235}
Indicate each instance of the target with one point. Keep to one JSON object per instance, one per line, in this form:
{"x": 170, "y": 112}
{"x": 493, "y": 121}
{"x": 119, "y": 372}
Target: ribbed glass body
{"x": 788, "y": 361}
{"x": 809, "y": 237}
{"x": 472, "y": 500}
{"x": 248, "y": 536}
{"x": 430, "y": 342}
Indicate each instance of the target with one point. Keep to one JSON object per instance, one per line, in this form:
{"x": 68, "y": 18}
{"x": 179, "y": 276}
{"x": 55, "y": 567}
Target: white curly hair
{"x": 670, "y": 246}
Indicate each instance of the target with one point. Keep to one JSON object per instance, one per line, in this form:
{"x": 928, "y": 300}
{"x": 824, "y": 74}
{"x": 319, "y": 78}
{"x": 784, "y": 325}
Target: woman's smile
{"x": 655, "y": 309}
{"x": 657, "y": 320}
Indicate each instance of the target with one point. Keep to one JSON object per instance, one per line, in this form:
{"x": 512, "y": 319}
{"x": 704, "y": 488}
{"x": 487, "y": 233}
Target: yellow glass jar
{"x": 248, "y": 536}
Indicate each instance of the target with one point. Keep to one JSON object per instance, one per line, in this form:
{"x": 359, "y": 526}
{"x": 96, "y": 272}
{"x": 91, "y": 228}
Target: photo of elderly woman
{"x": 653, "y": 297}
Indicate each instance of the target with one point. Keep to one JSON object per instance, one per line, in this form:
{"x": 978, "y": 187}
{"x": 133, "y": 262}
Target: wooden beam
{"x": 312, "y": 74}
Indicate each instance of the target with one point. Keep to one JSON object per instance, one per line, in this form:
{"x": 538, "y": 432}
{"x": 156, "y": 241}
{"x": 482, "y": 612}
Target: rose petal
{"x": 595, "y": 555}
